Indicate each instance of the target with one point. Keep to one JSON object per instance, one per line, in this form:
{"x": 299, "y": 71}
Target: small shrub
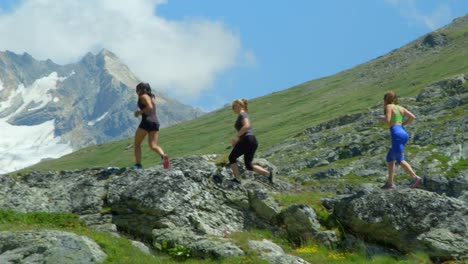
{"x": 179, "y": 252}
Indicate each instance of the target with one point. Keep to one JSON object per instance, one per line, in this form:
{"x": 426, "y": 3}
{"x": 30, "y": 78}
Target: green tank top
{"x": 397, "y": 118}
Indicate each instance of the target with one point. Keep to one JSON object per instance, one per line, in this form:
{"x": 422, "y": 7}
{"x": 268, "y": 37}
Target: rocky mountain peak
{"x": 117, "y": 68}
{"x": 89, "y": 102}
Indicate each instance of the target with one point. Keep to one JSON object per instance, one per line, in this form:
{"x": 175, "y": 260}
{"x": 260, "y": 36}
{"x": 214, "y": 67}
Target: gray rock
{"x": 142, "y": 247}
{"x": 302, "y": 225}
{"x": 72, "y": 191}
{"x": 409, "y": 220}
{"x": 48, "y": 246}
{"x": 273, "y": 253}
{"x": 200, "y": 246}
{"x": 184, "y": 196}
{"x": 264, "y": 205}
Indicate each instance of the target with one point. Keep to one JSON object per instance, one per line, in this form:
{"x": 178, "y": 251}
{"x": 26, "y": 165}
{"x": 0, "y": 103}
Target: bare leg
{"x": 260, "y": 170}
{"x": 391, "y": 171}
{"x": 153, "y": 143}
{"x": 407, "y": 167}
{"x": 235, "y": 171}
{"x": 140, "y": 134}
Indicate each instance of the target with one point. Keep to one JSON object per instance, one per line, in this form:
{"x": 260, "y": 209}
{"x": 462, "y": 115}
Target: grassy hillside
{"x": 281, "y": 115}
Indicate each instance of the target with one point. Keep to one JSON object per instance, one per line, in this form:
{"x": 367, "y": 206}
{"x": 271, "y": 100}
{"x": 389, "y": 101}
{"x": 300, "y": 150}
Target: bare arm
{"x": 388, "y": 115}
{"x": 409, "y": 117}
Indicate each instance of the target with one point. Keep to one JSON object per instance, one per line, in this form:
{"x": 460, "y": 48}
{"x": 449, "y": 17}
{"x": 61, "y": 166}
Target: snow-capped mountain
{"x": 48, "y": 110}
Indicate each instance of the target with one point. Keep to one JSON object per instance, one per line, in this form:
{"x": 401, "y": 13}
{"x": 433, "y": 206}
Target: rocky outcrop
{"x": 194, "y": 204}
{"x": 409, "y": 220}
{"x": 48, "y": 246}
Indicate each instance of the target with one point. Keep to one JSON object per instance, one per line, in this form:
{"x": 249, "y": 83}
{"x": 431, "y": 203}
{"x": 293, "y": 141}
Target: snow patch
{"x": 1, "y": 85}
{"x": 23, "y": 146}
{"x": 93, "y": 122}
{"x": 38, "y": 94}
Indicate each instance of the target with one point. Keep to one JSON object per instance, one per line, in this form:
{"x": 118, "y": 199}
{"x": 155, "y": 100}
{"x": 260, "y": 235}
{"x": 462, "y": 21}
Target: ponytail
{"x": 242, "y": 102}
{"x": 389, "y": 98}
{"x": 245, "y": 103}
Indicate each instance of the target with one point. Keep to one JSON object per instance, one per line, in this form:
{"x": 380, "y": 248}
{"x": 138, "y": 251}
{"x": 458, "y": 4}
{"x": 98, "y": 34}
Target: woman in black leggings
{"x": 244, "y": 142}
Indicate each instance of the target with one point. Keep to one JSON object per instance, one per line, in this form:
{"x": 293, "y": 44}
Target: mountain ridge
{"x": 87, "y": 102}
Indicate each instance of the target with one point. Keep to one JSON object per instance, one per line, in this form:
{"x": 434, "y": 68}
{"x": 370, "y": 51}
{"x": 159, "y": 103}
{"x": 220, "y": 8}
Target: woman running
{"x": 149, "y": 125}
{"x": 394, "y": 114}
{"x": 244, "y": 143}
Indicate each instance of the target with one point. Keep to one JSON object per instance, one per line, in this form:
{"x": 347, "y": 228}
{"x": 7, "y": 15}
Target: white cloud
{"x": 433, "y": 20}
{"x": 181, "y": 57}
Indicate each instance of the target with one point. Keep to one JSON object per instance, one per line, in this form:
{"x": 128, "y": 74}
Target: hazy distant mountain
{"x": 47, "y": 110}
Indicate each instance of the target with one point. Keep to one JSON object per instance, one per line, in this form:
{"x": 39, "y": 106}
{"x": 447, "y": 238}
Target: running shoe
{"x": 166, "y": 161}
{"x": 270, "y": 177}
{"x": 415, "y": 182}
{"x": 235, "y": 180}
{"x": 137, "y": 167}
{"x": 388, "y": 186}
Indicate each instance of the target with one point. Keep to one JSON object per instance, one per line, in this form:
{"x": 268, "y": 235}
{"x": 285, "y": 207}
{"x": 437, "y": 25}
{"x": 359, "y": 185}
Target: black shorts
{"x": 149, "y": 126}
{"x": 246, "y": 146}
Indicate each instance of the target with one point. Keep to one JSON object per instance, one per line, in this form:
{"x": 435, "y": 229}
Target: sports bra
{"x": 397, "y": 118}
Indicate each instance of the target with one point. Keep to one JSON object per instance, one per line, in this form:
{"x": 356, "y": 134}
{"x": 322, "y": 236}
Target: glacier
{"x": 23, "y": 146}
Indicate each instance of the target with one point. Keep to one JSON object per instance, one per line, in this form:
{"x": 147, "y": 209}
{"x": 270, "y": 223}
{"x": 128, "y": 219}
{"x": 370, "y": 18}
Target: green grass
{"x": 457, "y": 168}
{"x": 311, "y": 199}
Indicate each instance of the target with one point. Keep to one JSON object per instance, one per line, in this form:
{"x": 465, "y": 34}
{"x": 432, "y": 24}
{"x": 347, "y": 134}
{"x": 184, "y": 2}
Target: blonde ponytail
{"x": 242, "y": 102}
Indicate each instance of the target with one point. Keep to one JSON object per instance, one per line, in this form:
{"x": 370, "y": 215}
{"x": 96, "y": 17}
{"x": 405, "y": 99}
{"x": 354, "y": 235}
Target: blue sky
{"x": 210, "y": 52}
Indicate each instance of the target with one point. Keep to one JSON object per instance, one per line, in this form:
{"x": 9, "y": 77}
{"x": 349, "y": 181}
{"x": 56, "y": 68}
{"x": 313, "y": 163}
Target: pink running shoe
{"x": 166, "y": 162}
{"x": 415, "y": 182}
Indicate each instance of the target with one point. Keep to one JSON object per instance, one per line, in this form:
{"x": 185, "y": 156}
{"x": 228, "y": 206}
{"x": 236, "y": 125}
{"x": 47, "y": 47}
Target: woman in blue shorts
{"x": 394, "y": 114}
{"x": 149, "y": 124}
{"x": 244, "y": 142}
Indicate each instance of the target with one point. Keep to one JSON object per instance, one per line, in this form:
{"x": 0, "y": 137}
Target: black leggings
{"x": 245, "y": 146}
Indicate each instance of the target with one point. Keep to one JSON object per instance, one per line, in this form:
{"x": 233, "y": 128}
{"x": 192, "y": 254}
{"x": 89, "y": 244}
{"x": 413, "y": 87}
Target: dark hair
{"x": 144, "y": 88}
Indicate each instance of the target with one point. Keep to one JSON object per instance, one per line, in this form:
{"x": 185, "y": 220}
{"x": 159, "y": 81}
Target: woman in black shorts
{"x": 244, "y": 142}
{"x": 149, "y": 125}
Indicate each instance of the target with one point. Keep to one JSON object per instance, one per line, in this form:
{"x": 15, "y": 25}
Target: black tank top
{"x": 151, "y": 116}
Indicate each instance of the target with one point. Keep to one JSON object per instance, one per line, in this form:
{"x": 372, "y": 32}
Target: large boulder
{"x": 184, "y": 196}
{"x": 302, "y": 225}
{"x": 48, "y": 246}
{"x": 409, "y": 220}
{"x": 79, "y": 191}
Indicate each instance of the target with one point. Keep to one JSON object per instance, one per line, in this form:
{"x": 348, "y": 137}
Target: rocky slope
{"x": 353, "y": 147}
{"x": 195, "y": 205}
